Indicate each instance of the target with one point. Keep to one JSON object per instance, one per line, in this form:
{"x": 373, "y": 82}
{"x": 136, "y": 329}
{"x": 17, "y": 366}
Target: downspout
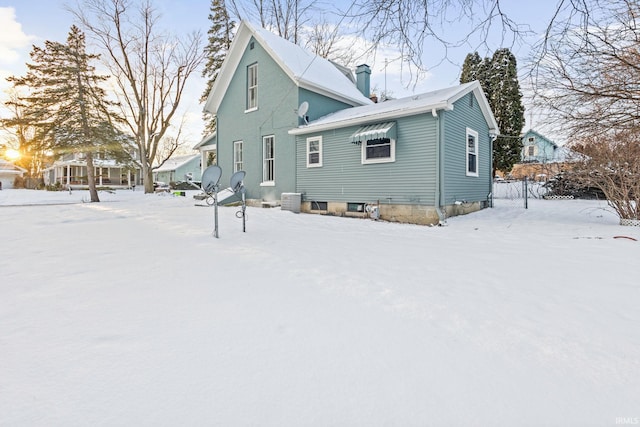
{"x": 436, "y": 201}
{"x": 492, "y": 138}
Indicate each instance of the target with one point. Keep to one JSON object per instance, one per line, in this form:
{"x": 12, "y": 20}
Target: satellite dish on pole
{"x": 210, "y": 178}
{"x": 302, "y": 111}
{"x": 236, "y": 180}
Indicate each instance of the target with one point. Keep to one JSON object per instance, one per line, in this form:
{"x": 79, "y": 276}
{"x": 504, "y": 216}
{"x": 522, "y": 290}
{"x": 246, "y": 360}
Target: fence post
{"x": 525, "y": 191}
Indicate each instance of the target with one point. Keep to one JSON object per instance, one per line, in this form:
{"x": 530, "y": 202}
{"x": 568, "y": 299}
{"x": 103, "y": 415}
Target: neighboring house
{"x": 8, "y": 174}
{"x": 70, "y": 171}
{"x": 255, "y": 100}
{"x": 415, "y": 159}
{"x": 537, "y": 148}
{"x": 541, "y": 158}
{"x": 175, "y": 169}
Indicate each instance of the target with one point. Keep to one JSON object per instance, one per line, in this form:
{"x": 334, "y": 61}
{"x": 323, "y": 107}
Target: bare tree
{"x": 284, "y": 17}
{"x": 611, "y": 163}
{"x": 150, "y": 68}
{"x": 587, "y": 74}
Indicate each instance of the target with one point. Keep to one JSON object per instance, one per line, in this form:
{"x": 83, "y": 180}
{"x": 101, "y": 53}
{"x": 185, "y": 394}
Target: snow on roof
{"x": 206, "y": 140}
{"x": 6, "y": 166}
{"x": 304, "y": 68}
{"x": 415, "y": 104}
{"x": 175, "y": 162}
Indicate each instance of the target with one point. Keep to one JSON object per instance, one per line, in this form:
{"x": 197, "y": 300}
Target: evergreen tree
{"x": 67, "y": 105}
{"x": 498, "y": 77}
{"x": 219, "y": 41}
{"x": 505, "y": 99}
{"x": 471, "y": 68}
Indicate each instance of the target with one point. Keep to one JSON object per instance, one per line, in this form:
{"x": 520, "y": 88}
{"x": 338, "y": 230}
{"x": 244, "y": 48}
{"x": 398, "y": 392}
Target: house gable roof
{"x": 176, "y": 162}
{"x": 442, "y": 99}
{"x": 207, "y": 140}
{"x": 305, "y": 69}
{"x": 532, "y": 132}
{"x": 6, "y": 166}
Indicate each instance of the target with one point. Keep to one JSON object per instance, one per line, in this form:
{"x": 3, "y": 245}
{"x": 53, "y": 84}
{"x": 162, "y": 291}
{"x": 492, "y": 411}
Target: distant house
{"x": 8, "y": 173}
{"x": 299, "y": 124}
{"x": 70, "y": 171}
{"x": 537, "y": 148}
{"x": 416, "y": 159}
{"x": 541, "y": 158}
{"x": 175, "y": 169}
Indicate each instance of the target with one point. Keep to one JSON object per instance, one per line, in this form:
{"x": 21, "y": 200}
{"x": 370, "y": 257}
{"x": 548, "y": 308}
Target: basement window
{"x": 355, "y": 207}
{"x": 318, "y": 206}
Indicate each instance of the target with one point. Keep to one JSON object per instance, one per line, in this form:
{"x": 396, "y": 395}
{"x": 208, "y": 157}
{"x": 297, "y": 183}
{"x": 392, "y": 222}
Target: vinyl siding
{"x": 457, "y": 185}
{"x": 343, "y": 178}
{"x": 320, "y": 105}
{"x": 275, "y": 115}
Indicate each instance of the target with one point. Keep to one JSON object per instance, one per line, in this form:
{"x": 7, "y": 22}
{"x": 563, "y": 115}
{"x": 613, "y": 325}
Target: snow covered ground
{"x": 129, "y": 312}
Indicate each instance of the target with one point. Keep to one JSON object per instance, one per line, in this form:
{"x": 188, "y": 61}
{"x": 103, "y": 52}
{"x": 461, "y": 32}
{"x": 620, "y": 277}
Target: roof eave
{"x": 391, "y": 115}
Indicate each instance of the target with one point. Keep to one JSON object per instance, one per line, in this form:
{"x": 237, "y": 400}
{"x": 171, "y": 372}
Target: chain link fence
{"x": 519, "y": 192}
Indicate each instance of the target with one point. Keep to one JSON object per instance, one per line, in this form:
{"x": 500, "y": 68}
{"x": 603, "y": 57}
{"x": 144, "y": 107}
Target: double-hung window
{"x": 237, "y": 156}
{"x": 472, "y": 152}
{"x": 268, "y": 159}
{"x": 314, "y": 152}
{"x": 379, "y": 150}
{"x": 252, "y": 87}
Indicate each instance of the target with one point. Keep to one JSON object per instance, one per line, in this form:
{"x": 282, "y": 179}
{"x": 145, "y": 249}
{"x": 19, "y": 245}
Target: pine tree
{"x": 67, "y": 105}
{"x": 498, "y": 77}
{"x": 505, "y": 99}
{"x": 471, "y": 68}
{"x": 219, "y": 42}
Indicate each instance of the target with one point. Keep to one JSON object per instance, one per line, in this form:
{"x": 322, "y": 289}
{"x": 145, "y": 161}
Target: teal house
{"x": 537, "y": 148}
{"x": 259, "y": 95}
{"x": 176, "y": 169}
{"x": 305, "y": 128}
{"x": 417, "y": 159}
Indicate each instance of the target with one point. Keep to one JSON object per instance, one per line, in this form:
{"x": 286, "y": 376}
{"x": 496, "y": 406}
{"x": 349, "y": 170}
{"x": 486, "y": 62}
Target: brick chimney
{"x": 363, "y": 73}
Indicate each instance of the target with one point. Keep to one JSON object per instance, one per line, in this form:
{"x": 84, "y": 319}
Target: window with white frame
{"x": 268, "y": 159}
{"x": 252, "y": 87}
{"x": 379, "y": 150}
{"x": 314, "y": 152}
{"x": 531, "y": 150}
{"x": 237, "y": 156}
{"x": 472, "y": 152}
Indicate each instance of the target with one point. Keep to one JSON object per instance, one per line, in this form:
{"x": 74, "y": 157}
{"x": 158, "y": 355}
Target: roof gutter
{"x": 302, "y": 130}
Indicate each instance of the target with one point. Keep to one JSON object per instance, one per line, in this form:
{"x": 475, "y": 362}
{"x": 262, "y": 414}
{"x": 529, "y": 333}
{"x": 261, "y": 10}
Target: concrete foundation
{"x": 410, "y": 214}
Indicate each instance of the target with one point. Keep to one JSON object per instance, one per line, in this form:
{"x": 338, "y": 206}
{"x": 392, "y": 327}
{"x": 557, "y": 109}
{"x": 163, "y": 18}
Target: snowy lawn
{"x": 128, "y": 312}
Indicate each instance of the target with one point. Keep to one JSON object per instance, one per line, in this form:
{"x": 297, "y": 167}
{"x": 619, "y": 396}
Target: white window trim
{"x": 249, "y": 87}
{"x": 264, "y": 160}
{"x": 309, "y": 140}
{"x": 471, "y": 132}
{"x": 390, "y": 159}
{"x": 235, "y": 159}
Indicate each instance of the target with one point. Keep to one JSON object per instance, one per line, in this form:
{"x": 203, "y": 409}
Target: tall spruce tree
{"x": 498, "y": 77}
{"x": 506, "y": 103}
{"x": 471, "y": 68}
{"x": 67, "y": 105}
{"x": 219, "y": 40}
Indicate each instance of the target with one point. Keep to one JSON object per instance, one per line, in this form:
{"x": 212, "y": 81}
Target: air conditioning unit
{"x": 291, "y": 202}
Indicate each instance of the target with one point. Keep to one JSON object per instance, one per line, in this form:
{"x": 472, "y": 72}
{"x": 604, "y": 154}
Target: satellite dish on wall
{"x": 302, "y": 109}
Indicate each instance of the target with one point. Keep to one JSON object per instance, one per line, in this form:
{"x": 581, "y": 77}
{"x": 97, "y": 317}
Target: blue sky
{"x": 28, "y": 22}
